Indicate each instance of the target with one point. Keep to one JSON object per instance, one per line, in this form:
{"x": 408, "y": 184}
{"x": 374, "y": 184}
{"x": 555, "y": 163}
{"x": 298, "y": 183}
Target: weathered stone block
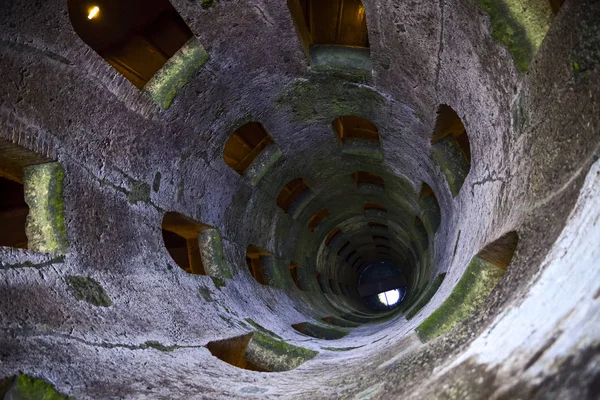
{"x": 177, "y": 72}
{"x": 211, "y": 252}
{"x": 262, "y": 163}
{"x": 46, "y": 231}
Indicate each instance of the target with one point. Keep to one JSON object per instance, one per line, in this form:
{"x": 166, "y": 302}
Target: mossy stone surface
{"x": 341, "y": 60}
{"x": 431, "y": 212}
{"x": 520, "y": 25}
{"x": 361, "y": 147}
{"x": 331, "y": 96}
{"x": 211, "y": 251}
{"x": 272, "y": 274}
{"x": 89, "y": 290}
{"x": 340, "y": 322}
{"x": 25, "y": 387}
{"x": 301, "y": 203}
{"x": 178, "y": 71}
{"x": 205, "y": 293}
{"x": 276, "y": 355}
{"x": 452, "y": 161}
{"x": 320, "y": 332}
{"x": 262, "y": 163}
{"x": 477, "y": 282}
{"x": 46, "y": 230}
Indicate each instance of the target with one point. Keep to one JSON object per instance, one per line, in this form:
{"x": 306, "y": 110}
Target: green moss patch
{"x": 25, "y": 387}
{"x": 310, "y": 99}
{"x": 159, "y": 346}
{"x": 477, "y": 282}
{"x": 87, "y": 289}
{"x": 276, "y": 355}
{"x": 520, "y": 25}
{"x": 341, "y": 60}
{"x": 320, "y": 332}
{"x": 139, "y": 193}
{"x": 205, "y": 294}
{"x": 451, "y": 160}
{"x": 177, "y": 72}
{"x": 256, "y": 325}
{"x": 46, "y": 230}
{"x": 207, "y": 3}
{"x": 340, "y": 322}
{"x": 431, "y": 211}
{"x": 211, "y": 249}
{"x": 218, "y": 282}
{"x": 342, "y": 348}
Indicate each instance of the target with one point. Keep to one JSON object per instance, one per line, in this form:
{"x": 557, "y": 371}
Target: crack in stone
{"x": 29, "y": 264}
{"x": 485, "y": 180}
{"x": 440, "y": 49}
{"x": 150, "y": 344}
{"x": 264, "y": 15}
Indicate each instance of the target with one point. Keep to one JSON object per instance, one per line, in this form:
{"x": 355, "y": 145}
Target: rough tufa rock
{"x": 87, "y": 289}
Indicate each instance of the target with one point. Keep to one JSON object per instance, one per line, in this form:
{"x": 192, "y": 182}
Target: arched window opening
{"x": 317, "y": 219}
{"x": 195, "y": 247}
{"x": 332, "y": 235}
{"x": 378, "y": 227}
{"x": 430, "y": 206}
{"x": 233, "y": 351}
{"x": 332, "y": 284}
{"x": 352, "y": 127}
{"x": 363, "y": 177}
{"x": 357, "y": 136}
{"x": 136, "y": 37}
{"x": 344, "y": 248}
{"x": 351, "y": 257}
{"x": 480, "y": 278}
{"x": 381, "y": 239}
{"x": 375, "y": 211}
{"x": 294, "y": 271}
{"x": 31, "y": 198}
{"x": 556, "y": 5}
{"x": 245, "y": 145}
{"x": 337, "y": 27}
{"x": 13, "y": 214}
{"x": 374, "y": 206}
{"x": 421, "y": 233}
{"x": 256, "y": 259}
{"x": 181, "y": 237}
{"x": 320, "y": 280}
{"x": 501, "y": 251}
{"x": 451, "y": 147}
{"x": 294, "y": 197}
{"x": 319, "y": 332}
{"x": 248, "y": 352}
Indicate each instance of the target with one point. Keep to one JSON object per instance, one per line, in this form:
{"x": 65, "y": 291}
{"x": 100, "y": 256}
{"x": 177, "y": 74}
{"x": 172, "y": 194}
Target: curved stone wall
{"x": 115, "y": 317}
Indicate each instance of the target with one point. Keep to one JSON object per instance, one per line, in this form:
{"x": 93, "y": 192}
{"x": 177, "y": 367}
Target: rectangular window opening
{"x": 136, "y": 37}
{"x": 254, "y": 256}
{"x": 13, "y": 207}
{"x": 317, "y": 219}
{"x": 290, "y": 193}
{"x": 245, "y": 144}
{"x": 361, "y": 177}
{"x": 181, "y": 238}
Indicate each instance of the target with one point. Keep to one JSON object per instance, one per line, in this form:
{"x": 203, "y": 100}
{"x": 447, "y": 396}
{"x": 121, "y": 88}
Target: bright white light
{"x": 93, "y": 12}
{"x": 390, "y": 297}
